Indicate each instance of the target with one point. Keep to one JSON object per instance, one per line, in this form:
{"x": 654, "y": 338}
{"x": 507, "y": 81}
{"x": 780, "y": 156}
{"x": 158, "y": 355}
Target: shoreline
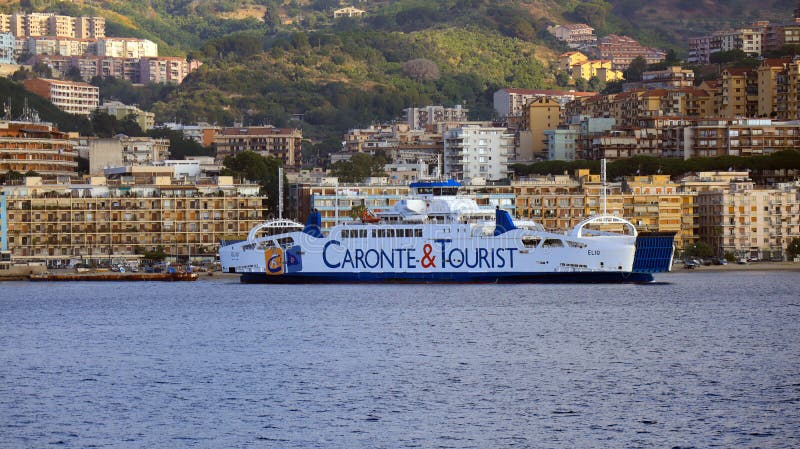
{"x": 732, "y": 266}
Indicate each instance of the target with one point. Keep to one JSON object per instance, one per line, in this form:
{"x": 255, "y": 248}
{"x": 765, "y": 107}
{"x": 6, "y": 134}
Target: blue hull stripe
{"x": 448, "y": 278}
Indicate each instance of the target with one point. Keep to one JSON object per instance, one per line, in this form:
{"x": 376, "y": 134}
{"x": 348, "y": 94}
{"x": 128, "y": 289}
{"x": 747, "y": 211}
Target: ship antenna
{"x": 280, "y": 193}
{"x": 603, "y": 180}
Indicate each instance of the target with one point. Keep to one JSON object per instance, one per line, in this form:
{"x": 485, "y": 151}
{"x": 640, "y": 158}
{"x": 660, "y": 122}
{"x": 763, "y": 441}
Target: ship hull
{"x": 450, "y": 278}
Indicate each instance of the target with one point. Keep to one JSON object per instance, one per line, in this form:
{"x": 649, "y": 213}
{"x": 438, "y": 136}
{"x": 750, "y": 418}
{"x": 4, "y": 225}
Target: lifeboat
{"x": 367, "y": 216}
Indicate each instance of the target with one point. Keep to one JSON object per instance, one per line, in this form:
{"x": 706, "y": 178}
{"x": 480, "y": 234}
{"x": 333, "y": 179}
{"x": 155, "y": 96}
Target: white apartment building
{"x": 49, "y": 24}
{"x": 143, "y": 150}
{"x": 126, "y": 47}
{"x": 69, "y": 96}
{"x": 473, "y": 153}
{"x": 60, "y": 46}
{"x": 7, "y": 46}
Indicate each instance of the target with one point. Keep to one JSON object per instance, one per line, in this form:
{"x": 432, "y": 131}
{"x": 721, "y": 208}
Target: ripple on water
{"x": 698, "y": 360}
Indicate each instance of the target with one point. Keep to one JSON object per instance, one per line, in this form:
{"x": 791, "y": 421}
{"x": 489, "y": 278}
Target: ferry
{"x": 436, "y": 235}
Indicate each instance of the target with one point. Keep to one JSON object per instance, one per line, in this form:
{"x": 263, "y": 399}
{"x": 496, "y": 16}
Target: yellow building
{"x": 543, "y": 113}
{"x": 655, "y": 203}
{"x": 768, "y": 72}
{"x": 104, "y": 220}
{"x": 750, "y": 222}
{"x": 571, "y": 58}
{"x": 599, "y": 68}
{"x": 651, "y": 203}
{"x": 787, "y": 103}
{"x": 739, "y": 93}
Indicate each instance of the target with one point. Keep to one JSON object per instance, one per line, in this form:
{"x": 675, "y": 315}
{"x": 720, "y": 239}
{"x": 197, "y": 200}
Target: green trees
{"x": 105, "y": 125}
{"x": 251, "y": 166}
{"x": 647, "y": 165}
{"x": 180, "y": 146}
{"x": 359, "y": 167}
{"x": 793, "y": 249}
{"x": 635, "y": 69}
{"x": 74, "y": 74}
{"x": 699, "y": 249}
{"x": 593, "y": 12}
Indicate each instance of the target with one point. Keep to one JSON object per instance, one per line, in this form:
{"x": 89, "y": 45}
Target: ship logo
{"x": 294, "y": 260}
{"x": 274, "y": 259}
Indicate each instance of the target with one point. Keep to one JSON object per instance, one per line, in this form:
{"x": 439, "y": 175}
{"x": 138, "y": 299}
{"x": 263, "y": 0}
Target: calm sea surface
{"x": 703, "y": 360}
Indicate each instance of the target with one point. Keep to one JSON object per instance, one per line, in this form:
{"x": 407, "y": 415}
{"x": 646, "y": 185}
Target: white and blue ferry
{"x": 436, "y": 235}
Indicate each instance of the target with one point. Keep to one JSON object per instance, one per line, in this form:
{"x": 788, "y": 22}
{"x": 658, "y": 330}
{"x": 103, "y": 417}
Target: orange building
{"x": 36, "y": 147}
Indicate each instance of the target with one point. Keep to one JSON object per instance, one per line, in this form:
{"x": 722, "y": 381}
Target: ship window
{"x": 530, "y": 242}
{"x": 390, "y": 233}
{"x": 285, "y": 242}
{"x": 417, "y": 232}
{"x": 572, "y": 244}
{"x": 553, "y": 243}
{"x": 266, "y": 244}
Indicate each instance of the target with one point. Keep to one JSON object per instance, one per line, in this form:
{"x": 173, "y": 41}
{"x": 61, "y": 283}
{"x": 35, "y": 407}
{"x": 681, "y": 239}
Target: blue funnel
{"x": 503, "y": 220}
{"x": 314, "y": 224}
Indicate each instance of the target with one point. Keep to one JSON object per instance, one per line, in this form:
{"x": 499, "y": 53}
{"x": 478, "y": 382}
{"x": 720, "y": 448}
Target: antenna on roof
{"x": 603, "y": 180}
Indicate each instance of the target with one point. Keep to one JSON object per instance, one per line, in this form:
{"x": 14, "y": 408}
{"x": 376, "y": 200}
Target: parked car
{"x": 742, "y": 261}
{"x": 719, "y": 261}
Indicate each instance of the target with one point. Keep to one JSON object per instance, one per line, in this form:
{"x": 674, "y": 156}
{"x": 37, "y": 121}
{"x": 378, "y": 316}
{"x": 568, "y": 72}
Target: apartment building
{"x": 476, "y": 153}
{"x": 623, "y": 144}
{"x": 8, "y": 44}
{"x": 126, "y": 47}
{"x": 121, "y": 111}
{"x": 69, "y": 96}
{"x": 135, "y": 70}
{"x": 282, "y": 143}
{"x": 3, "y": 222}
{"x": 125, "y": 151}
{"x": 622, "y": 50}
{"x": 542, "y": 114}
{"x": 750, "y": 222}
{"x": 171, "y": 70}
{"x": 419, "y": 118}
{"x": 49, "y": 24}
{"x": 731, "y": 137}
{"x": 739, "y": 93}
{"x": 509, "y": 102}
{"x": 59, "y": 46}
{"x": 599, "y": 68}
{"x": 103, "y": 220}
{"x": 37, "y": 147}
{"x": 656, "y": 204}
{"x": 574, "y": 34}
{"x": 787, "y": 92}
{"x": 202, "y": 133}
{"x": 90, "y": 27}
{"x": 670, "y": 78}
{"x": 652, "y": 203}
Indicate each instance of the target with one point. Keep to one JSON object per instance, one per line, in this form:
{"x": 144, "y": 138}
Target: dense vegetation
{"x": 250, "y": 166}
{"x": 646, "y": 165}
{"x": 353, "y": 78}
{"x": 288, "y": 63}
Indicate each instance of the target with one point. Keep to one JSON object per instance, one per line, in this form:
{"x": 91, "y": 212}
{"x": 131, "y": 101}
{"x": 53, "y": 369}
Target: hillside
{"x": 269, "y": 61}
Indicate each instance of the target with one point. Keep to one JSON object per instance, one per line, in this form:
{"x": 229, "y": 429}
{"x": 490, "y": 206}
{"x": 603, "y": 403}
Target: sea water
{"x": 700, "y": 359}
